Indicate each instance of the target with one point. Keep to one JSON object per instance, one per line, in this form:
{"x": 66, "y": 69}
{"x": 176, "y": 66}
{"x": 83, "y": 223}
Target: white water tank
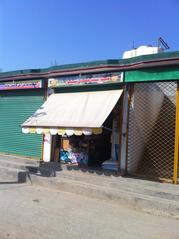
{"x": 141, "y": 50}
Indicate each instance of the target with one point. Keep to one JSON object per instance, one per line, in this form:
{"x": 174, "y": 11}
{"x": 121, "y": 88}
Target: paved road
{"x": 31, "y": 213}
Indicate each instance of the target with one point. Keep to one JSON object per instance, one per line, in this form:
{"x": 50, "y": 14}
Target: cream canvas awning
{"x": 73, "y": 110}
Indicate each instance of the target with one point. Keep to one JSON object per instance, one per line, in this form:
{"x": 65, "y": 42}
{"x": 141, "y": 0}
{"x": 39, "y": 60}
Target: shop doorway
{"x": 99, "y": 151}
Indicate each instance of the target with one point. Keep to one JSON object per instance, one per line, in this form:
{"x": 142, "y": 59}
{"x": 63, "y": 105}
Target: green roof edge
{"x": 120, "y": 62}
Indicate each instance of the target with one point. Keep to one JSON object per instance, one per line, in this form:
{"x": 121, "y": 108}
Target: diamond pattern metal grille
{"x": 151, "y": 135}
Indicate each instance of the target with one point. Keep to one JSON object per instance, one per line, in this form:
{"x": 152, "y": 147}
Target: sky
{"x": 41, "y": 33}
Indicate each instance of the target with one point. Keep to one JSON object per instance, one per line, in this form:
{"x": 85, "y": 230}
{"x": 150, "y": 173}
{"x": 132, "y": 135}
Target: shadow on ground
{"x": 50, "y": 169}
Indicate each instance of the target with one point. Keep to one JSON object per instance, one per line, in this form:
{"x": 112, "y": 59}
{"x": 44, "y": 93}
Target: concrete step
{"x": 108, "y": 174}
{"x": 19, "y": 160}
{"x": 129, "y": 185}
{"x": 16, "y": 169}
{"x": 139, "y": 200}
{"x": 18, "y": 165}
{"x": 159, "y": 198}
{"x": 13, "y": 174}
{"x": 103, "y": 178}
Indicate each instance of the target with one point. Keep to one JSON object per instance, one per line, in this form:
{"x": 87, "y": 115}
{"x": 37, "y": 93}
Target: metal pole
{"x": 123, "y": 133}
{"x": 121, "y": 110}
{"x": 175, "y": 169}
{"x": 130, "y": 93}
{"x": 125, "y": 124}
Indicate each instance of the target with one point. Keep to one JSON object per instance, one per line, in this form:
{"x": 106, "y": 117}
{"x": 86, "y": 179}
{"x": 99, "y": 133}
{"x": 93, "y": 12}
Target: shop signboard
{"x": 21, "y": 85}
{"x": 90, "y": 79}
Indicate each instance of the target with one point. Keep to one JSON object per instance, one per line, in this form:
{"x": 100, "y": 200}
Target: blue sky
{"x": 36, "y": 33}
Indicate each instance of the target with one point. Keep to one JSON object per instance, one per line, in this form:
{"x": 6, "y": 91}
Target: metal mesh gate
{"x": 151, "y": 133}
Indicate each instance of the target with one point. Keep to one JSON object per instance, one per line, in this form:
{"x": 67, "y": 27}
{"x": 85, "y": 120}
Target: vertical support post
{"x": 130, "y": 93}
{"x": 47, "y": 147}
{"x": 123, "y": 151}
{"x": 45, "y": 85}
{"x": 121, "y": 110}
{"x": 42, "y": 153}
{"x": 175, "y": 169}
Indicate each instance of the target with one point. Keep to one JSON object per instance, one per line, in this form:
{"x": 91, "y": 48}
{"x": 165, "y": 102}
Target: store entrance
{"x": 95, "y": 151}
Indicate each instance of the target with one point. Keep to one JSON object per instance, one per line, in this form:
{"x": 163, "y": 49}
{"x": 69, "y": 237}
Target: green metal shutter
{"x": 15, "y": 108}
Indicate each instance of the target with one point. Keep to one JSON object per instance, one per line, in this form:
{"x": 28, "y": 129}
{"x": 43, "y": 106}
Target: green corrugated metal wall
{"x": 15, "y": 108}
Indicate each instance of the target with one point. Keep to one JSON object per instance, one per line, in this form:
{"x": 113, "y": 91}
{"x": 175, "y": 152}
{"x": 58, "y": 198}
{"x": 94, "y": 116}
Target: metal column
{"x": 175, "y": 169}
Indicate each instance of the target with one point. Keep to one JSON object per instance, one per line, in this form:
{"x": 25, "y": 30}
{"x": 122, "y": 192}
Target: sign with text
{"x": 90, "y": 79}
{"x": 21, "y": 85}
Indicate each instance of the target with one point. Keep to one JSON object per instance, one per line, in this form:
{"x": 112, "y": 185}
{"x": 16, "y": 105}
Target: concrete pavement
{"x": 154, "y": 197}
{"x": 33, "y": 212}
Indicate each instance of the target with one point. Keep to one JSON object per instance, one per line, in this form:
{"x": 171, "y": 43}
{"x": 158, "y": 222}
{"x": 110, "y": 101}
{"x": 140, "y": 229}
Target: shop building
{"x": 80, "y": 119}
{"x": 25, "y": 91}
{"x": 120, "y": 111}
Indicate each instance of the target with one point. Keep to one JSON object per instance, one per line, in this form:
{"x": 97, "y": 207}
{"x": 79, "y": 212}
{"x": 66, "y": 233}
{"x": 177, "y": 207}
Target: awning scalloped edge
{"x": 62, "y": 131}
